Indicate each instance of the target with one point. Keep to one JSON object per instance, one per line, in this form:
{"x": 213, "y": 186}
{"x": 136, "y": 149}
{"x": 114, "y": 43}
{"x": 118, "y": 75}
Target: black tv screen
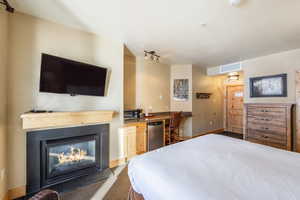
{"x": 63, "y": 76}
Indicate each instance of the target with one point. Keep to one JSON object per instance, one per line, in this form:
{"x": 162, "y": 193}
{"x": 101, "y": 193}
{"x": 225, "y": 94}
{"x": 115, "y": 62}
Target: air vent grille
{"x": 231, "y": 67}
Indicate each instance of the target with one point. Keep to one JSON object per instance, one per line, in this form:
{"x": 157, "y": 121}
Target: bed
{"x": 216, "y": 167}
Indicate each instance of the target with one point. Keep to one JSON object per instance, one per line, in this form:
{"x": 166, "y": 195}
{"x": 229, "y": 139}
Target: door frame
{"x": 226, "y": 101}
{"x": 296, "y": 120}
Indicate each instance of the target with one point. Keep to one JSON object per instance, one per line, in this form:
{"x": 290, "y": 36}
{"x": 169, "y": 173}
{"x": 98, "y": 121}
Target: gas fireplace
{"x": 60, "y": 155}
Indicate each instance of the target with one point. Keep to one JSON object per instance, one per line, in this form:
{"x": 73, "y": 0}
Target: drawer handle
{"x": 264, "y": 128}
{"x": 264, "y": 111}
{"x": 264, "y": 136}
{"x": 265, "y": 119}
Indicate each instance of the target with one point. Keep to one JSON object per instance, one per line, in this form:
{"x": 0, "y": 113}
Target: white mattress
{"x": 216, "y": 167}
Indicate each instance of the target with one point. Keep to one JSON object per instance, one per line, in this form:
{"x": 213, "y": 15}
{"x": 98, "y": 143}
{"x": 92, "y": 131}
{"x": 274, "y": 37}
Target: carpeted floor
{"x": 116, "y": 188}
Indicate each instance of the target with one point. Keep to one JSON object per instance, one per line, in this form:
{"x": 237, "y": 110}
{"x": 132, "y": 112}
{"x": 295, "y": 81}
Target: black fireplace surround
{"x": 61, "y": 155}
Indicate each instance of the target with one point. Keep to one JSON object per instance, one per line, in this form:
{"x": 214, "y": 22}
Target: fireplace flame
{"x": 75, "y": 155}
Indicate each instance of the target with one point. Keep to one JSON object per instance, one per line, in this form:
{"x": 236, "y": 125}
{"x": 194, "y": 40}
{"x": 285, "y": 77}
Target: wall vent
{"x": 224, "y": 69}
{"x": 231, "y": 67}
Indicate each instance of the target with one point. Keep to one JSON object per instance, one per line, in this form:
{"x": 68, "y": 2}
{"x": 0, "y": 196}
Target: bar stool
{"x": 174, "y": 129}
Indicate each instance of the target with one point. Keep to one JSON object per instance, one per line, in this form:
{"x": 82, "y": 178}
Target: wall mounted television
{"x": 64, "y": 76}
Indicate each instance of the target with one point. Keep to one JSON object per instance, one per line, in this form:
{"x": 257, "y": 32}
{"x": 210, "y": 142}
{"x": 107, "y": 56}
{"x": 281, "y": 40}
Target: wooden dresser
{"x": 269, "y": 124}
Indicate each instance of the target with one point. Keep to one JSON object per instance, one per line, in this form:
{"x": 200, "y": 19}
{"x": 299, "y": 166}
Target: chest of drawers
{"x": 269, "y": 124}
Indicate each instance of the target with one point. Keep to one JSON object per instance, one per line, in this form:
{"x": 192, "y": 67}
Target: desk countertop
{"x": 157, "y": 117}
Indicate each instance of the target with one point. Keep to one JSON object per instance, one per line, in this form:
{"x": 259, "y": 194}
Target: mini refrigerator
{"x": 155, "y": 135}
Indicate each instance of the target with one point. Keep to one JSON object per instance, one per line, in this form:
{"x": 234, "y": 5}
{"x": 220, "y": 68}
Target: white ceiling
{"x": 174, "y": 28}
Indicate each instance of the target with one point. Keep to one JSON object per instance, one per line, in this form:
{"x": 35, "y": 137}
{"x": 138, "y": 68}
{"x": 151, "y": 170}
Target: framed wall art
{"x": 269, "y": 86}
{"x": 181, "y": 89}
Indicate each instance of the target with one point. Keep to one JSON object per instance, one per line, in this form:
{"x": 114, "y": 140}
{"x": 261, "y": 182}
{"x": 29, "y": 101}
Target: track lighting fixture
{"x": 151, "y": 55}
{"x": 7, "y": 5}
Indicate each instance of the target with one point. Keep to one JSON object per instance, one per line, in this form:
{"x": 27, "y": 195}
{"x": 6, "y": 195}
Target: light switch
{"x": 2, "y": 174}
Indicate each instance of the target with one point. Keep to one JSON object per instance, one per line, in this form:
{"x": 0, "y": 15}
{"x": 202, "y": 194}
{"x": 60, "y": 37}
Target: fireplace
{"x": 64, "y": 156}
{"x": 61, "y": 155}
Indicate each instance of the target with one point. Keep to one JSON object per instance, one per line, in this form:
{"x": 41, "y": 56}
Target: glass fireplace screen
{"x": 70, "y": 157}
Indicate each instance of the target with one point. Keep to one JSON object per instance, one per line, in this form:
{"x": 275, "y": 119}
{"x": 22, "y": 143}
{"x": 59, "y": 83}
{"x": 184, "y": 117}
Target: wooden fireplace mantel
{"x": 63, "y": 119}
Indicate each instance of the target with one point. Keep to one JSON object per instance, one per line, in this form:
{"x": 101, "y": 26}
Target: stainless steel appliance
{"x": 155, "y": 135}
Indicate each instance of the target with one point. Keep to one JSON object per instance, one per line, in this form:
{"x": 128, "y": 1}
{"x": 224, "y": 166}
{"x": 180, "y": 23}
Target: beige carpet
{"x": 115, "y": 188}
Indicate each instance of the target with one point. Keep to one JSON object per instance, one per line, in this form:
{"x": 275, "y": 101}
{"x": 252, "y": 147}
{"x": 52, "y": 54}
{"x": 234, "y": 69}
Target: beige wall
{"x": 183, "y": 72}
{"x": 129, "y": 80}
{"x": 207, "y": 113}
{"x": 153, "y": 86}
{"x": 28, "y": 38}
{"x": 285, "y": 62}
{"x": 3, "y": 97}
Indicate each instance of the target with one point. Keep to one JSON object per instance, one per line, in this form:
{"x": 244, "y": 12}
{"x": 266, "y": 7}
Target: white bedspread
{"x": 216, "y": 167}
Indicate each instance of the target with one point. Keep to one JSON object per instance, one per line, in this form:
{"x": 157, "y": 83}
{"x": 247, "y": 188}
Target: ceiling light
{"x": 233, "y": 76}
{"x": 152, "y": 55}
{"x": 235, "y": 2}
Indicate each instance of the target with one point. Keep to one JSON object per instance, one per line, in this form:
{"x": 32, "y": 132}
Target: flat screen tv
{"x": 63, "y": 76}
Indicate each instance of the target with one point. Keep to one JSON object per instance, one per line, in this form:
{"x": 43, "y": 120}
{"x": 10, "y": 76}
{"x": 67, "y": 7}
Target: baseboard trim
{"x": 16, "y": 192}
{"x": 116, "y": 163}
{"x": 216, "y": 131}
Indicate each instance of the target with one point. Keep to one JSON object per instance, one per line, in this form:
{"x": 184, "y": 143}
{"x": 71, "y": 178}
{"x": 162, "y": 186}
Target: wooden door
{"x": 235, "y": 104}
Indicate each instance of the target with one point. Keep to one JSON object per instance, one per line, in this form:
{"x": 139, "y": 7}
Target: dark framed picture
{"x": 181, "y": 89}
{"x": 269, "y": 86}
